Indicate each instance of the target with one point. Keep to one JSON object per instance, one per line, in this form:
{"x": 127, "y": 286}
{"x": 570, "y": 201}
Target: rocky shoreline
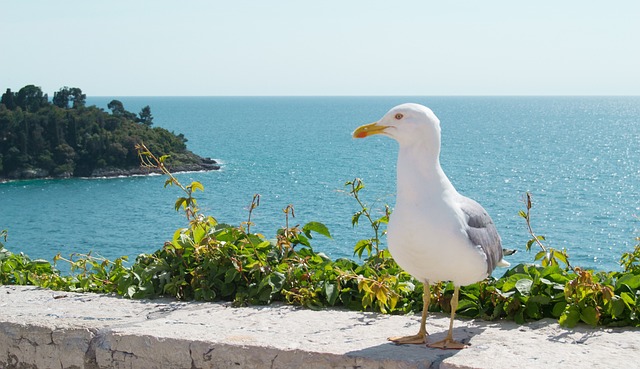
{"x": 200, "y": 165}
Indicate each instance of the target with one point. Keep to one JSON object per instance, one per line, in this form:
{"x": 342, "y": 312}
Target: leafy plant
{"x": 208, "y": 260}
{"x": 547, "y": 255}
{"x": 630, "y": 261}
{"x": 371, "y": 245}
{"x": 19, "y": 268}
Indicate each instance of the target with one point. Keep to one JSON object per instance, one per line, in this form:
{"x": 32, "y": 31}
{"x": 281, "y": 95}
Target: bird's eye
{"x": 399, "y": 116}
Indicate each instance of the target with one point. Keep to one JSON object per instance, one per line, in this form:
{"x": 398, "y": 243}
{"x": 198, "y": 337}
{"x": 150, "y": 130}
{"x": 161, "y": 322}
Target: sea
{"x": 579, "y": 158}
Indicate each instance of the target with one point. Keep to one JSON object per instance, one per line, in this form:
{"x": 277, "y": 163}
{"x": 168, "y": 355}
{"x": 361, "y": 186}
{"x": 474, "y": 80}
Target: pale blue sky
{"x": 348, "y": 47}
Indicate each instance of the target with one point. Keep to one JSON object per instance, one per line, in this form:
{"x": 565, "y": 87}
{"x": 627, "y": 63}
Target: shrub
{"x": 211, "y": 261}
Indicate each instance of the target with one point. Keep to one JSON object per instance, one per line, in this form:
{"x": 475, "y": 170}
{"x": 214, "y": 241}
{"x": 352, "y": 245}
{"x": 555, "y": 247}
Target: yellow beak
{"x": 369, "y": 130}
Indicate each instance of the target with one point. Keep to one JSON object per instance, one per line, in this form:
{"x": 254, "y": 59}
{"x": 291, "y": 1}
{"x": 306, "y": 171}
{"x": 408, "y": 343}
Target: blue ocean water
{"x": 578, "y": 156}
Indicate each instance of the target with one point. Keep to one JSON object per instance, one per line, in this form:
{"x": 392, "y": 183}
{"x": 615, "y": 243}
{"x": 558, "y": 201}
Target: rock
{"x": 191, "y": 164}
{"x": 63, "y": 175}
{"x": 29, "y": 173}
{"x": 204, "y": 165}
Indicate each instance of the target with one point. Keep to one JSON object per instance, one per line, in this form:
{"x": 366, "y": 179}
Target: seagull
{"x": 434, "y": 233}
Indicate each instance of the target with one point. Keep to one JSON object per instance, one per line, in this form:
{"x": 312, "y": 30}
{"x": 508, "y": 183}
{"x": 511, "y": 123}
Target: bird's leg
{"x": 448, "y": 342}
{"x": 421, "y": 337}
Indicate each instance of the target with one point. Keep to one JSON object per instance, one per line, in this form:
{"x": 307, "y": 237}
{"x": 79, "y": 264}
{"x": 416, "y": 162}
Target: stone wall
{"x": 48, "y": 329}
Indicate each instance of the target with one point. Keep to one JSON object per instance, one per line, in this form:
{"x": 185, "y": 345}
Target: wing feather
{"x": 482, "y": 231}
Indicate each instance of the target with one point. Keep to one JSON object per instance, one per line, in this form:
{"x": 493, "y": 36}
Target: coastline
{"x": 204, "y": 165}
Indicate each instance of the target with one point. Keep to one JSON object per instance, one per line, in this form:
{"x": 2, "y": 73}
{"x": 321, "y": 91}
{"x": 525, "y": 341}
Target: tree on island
{"x": 30, "y": 98}
{"x": 145, "y": 116}
{"x": 116, "y": 107}
{"x": 64, "y": 137}
{"x": 68, "y": 95}
{"x": 118, "y": 110}
{"x": 8, "y": 99}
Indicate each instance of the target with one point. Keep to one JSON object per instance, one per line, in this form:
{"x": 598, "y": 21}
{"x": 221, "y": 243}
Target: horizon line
{"x": 408, "y": 95}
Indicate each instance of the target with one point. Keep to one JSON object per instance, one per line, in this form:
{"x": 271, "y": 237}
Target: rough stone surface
{"x": 47, "y": 329}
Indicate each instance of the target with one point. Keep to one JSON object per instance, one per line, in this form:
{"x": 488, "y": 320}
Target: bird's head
{"x": 407, "y": 124}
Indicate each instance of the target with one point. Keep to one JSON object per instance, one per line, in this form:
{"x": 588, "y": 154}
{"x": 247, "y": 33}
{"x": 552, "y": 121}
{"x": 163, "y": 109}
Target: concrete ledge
{"x": 47, "y": 329}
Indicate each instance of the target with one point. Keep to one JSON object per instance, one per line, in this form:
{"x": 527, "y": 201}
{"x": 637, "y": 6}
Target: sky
{"x": 296, "y": 47}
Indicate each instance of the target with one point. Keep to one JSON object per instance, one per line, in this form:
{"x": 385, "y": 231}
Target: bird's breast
{"x": 428, "y": 240}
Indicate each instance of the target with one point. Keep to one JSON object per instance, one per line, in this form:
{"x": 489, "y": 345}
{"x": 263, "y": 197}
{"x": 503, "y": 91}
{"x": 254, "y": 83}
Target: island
{"x": 62, "y": 138}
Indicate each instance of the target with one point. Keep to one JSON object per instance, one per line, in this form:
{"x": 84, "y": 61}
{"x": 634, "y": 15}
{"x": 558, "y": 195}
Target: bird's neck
{"x": 420, "y": 174}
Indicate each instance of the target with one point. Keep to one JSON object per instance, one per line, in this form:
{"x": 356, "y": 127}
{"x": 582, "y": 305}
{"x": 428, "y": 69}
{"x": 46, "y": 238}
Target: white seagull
{"x": 434, "y": 233}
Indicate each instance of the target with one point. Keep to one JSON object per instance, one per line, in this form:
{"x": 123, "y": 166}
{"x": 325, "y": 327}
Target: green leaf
{"x": 530, "y": 243}
{"x": 551, "y": 270}
{"x": 181, "y": 202}
{"x": 628, "y": 299}
{"x": 524, "y": 286}
{"x": 560, "y": 256}
{"x": 276, "y": 281}
{"x": 558, "y": 309}
{"x": 532, "y": 309}
{"x": 300, "y": 239}
{"x": 198, "y": 234}
{"x": 316, "y": 227}
{"x": 522, "y": 214}
{"x": 355, "y": 218}
{"x": 331, "y": 290}
{"x": 230, "y": 275}
{"x": 131, "y": 291}
{"x": 617, "y": 308}
{"x": 540, "y": 299}
{"x": 469, "y": 294}
{"x": 361, "y": 246}
{"x": 196, "y": 186}
{"x": 558, "y": 277}
{"x": 263, "y": 246}
{"x": 510, "y": 282}
{"x": 251, "y": 264}
{"x": 570, "y": 317}
{"x": 177, "y": 240}
{"x": 590, "y": 315}
{"x": 629, "y": 281}
{"x": 467, "y": 308}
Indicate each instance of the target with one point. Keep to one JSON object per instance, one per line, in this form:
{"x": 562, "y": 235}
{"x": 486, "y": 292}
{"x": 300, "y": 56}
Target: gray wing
{"x": 482, "y": 231}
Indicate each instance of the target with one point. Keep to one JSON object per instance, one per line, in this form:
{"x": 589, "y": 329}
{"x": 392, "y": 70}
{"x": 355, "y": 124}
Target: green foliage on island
{"x": 210, "y": 261}
{"x": 64, "y": 137}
